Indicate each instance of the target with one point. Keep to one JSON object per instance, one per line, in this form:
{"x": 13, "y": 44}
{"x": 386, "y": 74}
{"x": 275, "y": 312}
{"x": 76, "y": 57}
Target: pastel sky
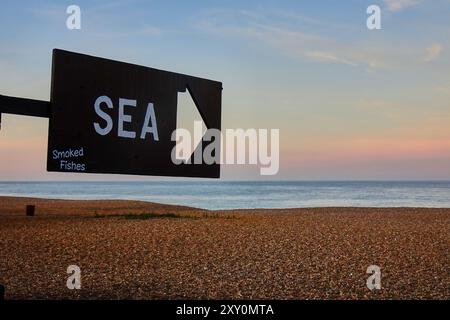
{"x": 350, "y": 103}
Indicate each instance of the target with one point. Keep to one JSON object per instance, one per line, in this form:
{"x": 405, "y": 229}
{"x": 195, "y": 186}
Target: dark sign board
{"x": 114, "y": 117}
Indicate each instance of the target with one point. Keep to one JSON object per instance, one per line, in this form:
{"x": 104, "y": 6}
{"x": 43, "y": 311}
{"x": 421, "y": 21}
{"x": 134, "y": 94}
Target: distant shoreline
{"x": 233, "y": 195}
{"x": 205, "y": 180}
{"x": 32, "y": 200}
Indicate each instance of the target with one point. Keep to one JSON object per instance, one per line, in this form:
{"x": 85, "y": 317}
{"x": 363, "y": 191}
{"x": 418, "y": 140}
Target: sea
{"x": 247, "y": 194}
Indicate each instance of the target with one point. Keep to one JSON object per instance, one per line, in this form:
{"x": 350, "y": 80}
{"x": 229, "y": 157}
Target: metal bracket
{"x": 25, "y": 107}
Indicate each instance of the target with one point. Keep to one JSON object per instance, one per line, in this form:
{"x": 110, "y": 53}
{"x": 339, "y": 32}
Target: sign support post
{"x": 24, "y": 107}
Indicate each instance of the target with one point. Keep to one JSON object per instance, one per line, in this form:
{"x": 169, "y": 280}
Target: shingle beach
{"x": 141, "y": 250}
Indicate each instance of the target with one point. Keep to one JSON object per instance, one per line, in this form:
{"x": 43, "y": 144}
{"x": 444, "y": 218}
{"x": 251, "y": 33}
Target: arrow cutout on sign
{"x": 189, "y": 118}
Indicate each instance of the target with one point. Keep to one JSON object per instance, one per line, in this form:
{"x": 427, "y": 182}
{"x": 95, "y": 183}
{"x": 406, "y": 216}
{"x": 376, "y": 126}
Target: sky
{"x": 350, "y": 103}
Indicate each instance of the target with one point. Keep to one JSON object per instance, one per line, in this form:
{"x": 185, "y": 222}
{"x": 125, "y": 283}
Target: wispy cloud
{"x": 398, "y": 5}
{"x": 443, "y": 89}
{"x": 433, "y": 52}
{"x": 149, "y": 31}
{"x": 293, "y": 41}
{"x": 328, "y": 56}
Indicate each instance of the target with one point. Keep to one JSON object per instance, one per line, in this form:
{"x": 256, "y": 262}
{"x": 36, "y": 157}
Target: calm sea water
{"x": 231, "y": 195}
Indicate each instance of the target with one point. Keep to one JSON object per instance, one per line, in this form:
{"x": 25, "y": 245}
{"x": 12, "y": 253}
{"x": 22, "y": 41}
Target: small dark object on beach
{"x": 2, "y": 292}
{"x": 30, "y": 210}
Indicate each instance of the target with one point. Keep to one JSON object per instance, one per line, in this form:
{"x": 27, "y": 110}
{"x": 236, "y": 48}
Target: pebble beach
{"x": 143, "y": 250}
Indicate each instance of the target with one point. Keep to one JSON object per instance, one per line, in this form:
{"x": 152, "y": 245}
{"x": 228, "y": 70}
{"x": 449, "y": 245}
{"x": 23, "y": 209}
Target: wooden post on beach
{"x": 30, "y": 210}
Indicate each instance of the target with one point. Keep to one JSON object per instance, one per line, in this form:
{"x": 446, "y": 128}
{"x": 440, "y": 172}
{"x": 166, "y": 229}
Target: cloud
{"x": 150, "y": 31}
{"x": 443, "y": 89}
{"x": 295, "y": 44}
{"x": 327, "y": 56}
{"x": 398, "y": 5}
{"x": 300, "y": 43}
{"x": 433, "y": 52}
{"x": 145, "y": 31}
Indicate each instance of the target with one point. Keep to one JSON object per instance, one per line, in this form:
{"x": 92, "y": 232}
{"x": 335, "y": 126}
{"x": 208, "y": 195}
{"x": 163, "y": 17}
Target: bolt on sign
{"x": 114, "y": 117}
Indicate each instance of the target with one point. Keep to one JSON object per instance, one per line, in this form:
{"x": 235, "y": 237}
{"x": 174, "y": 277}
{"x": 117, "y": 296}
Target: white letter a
{"x": 150, "y": 118}
{"x": 374, "y": 20}
{"x": 74, "y": 20}
{"x": 74, "y": 280}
